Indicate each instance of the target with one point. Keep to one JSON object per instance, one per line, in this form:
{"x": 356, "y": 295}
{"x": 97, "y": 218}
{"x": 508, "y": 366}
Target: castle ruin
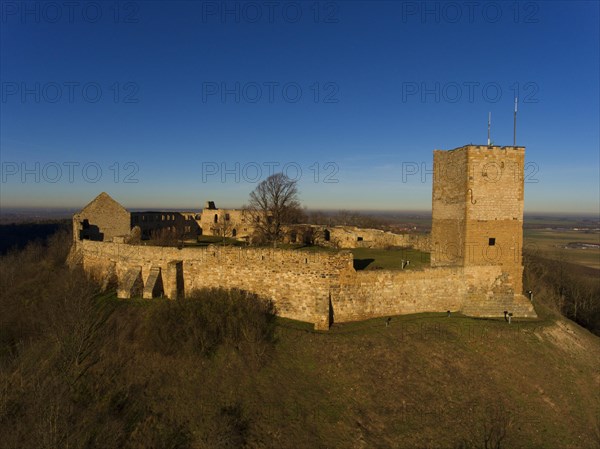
{"x": 475, "y": 243}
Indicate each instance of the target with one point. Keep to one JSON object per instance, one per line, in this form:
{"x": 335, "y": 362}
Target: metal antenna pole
{"x": 515, "y": 123}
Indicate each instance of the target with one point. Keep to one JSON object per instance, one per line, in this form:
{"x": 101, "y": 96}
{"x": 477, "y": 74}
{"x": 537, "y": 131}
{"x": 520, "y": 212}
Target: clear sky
{"x": 170, "y": 104}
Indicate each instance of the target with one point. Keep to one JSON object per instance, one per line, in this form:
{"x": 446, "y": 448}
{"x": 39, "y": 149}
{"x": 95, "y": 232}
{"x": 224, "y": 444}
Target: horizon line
{"x": 68, "y": 209}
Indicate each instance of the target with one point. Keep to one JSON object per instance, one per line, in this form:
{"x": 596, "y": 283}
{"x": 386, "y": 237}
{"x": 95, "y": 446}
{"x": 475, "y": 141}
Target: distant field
{"x": 542, "y": 221}
{"x": 552, "y": 244}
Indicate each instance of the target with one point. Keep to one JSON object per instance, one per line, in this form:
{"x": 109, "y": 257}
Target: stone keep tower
{"x": 478, "y": 209}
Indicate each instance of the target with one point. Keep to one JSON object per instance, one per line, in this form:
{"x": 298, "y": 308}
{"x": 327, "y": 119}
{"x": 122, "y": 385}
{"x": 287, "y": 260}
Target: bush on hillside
{"x": 208, "y": 319}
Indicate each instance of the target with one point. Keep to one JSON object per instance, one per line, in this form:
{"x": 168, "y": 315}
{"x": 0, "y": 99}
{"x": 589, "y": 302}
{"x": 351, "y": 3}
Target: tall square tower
{"x": 477, "y": 208}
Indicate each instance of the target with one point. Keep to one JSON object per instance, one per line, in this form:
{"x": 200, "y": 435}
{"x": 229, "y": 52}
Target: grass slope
{"x": 424, "y": 381}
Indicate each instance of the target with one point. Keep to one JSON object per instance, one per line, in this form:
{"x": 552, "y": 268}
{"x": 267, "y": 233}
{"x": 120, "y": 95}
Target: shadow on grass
{"x": 361, "y": 264}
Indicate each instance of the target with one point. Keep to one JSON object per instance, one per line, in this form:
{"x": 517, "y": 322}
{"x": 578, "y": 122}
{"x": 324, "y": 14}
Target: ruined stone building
{"x": 109, "y": 220}
{"x": 475, "y": 244}
{"x": 233, "y": 223}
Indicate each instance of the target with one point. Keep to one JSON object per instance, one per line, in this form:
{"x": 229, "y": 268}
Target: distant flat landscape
{"x": 569, "y": 245}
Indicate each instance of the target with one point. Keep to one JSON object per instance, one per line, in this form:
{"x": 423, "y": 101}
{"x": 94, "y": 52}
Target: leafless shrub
{"x": 165, "y": 237}
{"x": 209, "y": 318}
{"x": 159, "y": 432}
{"x": 489, "y": 429}
{"x": 569, "y": 289}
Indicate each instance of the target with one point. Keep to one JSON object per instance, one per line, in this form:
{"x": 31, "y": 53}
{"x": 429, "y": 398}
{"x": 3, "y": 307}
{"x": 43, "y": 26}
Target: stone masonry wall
{"x": 297, "y": 283}
{"x": 304, "y": 285}
{"x": 368, "y": 294}
{"x": 348, "y": 237}
{"x": 476, "y": 291}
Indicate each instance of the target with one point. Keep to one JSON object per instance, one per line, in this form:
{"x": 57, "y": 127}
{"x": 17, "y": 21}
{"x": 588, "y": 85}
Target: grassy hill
{"x": 423, "y": 381}
{"x": 78, "y": 369}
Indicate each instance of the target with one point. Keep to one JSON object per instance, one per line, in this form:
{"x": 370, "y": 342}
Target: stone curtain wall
{"x": 299, "y": 284}
{"x": 303, "y": 286}
{"x": 368, "y": 294}
{"x": 485, "y": 291}
{"x": 347, "y": 237}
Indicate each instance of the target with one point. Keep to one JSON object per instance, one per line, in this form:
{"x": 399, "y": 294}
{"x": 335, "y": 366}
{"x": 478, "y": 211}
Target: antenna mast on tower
{"x": 489, "y": 126}
{"x": 515, "y": 123}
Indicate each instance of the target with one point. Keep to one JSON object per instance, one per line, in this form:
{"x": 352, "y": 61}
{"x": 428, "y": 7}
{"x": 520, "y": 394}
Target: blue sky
{"x": 170, "y": 104}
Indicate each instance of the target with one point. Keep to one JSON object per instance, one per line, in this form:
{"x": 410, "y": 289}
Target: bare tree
{"x": 223, "y": 228}
{"x": 273, "y": 204}
{"x": 489, "y": 429}
{"x": 167, "y": 237}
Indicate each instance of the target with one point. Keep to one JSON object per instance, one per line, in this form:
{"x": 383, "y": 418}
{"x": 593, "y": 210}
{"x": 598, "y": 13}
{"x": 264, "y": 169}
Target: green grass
{"x": 425, "y": 380}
